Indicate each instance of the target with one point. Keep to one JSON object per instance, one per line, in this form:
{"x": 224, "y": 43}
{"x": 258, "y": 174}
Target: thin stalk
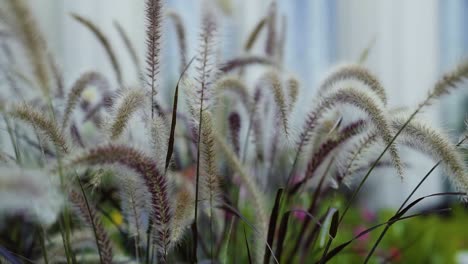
{"x": 382, "y": 234}
{"x": 91, "y": 217}
{"x": 148, "y": 241}
{"x": 195, "y": 231}
{"x": 211, "y": 228}
{"x": 13, "y": 140}
{"x": 353, "y": 196}
{"x": 43, "y": 248}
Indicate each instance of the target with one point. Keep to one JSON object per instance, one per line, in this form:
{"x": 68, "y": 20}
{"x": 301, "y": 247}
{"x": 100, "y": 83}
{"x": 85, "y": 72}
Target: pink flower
{"x": 301, "y": 216}
{"x": 368, "y": 215}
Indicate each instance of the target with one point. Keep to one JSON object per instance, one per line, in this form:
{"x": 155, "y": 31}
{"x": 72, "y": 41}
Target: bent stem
{"x": 387, "y": 226}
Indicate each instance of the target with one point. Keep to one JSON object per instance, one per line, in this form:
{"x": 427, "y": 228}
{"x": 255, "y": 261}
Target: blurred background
{"x": 410, "y": 43}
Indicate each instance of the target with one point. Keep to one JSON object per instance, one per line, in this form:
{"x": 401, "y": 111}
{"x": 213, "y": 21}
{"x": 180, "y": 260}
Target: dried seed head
{"x": 89, "y": 215}
{"x": 272, "y": 79}
{"x": 235, "y": 127}
{"x": 234, "y": 85}
{"x": 211, "y": 180}
{"x": 159, "y": 139}
{"x": 363, "y": 100}
{"x": 206, "y": 61}
{"x": 154, "y": 20}
{"x": 258, "y": 199}
{"x": 427, "y": 139}
{"x": 155, "y": 182}
{"x": 33, "y": 42}
{"x": 180, "y": 30}
{"x": 101, "y": 37}
{"x": 357, "y": 73}
{"x": 293, "y": 89}
{"x": 46, "y": 126}
{"x": 131, "y": 101}
{"x": 183, "y": 214}
{"x": 450, "y": 80}
{"x": 86, "y": 79}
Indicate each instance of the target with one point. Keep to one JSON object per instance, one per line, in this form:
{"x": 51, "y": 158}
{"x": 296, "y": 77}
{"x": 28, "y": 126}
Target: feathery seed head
{"x": 33, "y": 42}
{"x": 46, "y": 126}
{"x": 424, "y": 137}
{"x": 131, "y": 101}
{"x": 147, "y": 169}
{"x": 357, "y": 73}
{"x": 235, "y": 127}
{"x": 183, "y": 214}
{"x": 272, "y": 79}
{"x": 88, "y": 213}
{"x": 88, "y": 78}
{"x": 235, "y": 85}
{"x": 293, "y": 89}
{"x": 154, "y": 20}
{"x": 30, "y": 192}
{"x": 363, "y": 100}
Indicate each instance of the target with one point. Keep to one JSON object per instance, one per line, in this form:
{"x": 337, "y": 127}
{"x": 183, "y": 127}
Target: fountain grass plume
{"x": 234, "y": 85}
{"x": 243, "y": 61}
{"x": 423, "y": 137}
{"x": 210, "y": 176}
{"x": 180, "y": 30}
{"x": 154, "y": 20}
{"x": 292, "y": 85}
{"x": 273, "y": 81}
{"x": 363, "y": 100}
{"x": 235, "y": 123}
{"x": 258, "y": 199}
{"x": 128, "y": 45}
{"x": 31, "y": 38}
{"x": 183, "y": 214}
{"x": 449, "y": 81}
{"x": 357, "y": 73}
{"x": 131, "y": 101}
{"x": 159, "y": 136}
{"x": 156, "y": 183}
{"x": 45, "y": 125}
{"x": 101, "y": 37}
{"x": 86, "y": 79}
{"x": 89, "y": 215}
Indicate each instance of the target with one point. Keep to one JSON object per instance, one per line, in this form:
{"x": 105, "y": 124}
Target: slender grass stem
{"x": 42, "y": 235}
{"x": 387, "y": 226}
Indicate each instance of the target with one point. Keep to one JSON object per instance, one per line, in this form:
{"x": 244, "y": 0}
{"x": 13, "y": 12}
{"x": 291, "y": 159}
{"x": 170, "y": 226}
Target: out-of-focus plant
{"x": 220, "y": 175}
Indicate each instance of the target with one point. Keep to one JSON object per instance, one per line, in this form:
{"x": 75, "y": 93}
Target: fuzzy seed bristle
{"x": 234, "y": 127}
{"x": 183, "y": 214}
{"x": 211, "y": 175}
{"x": 89, "y": 215}
{"x": 273, "y": 80}
{"x": 35, "y": 118}
{"x": 354, "y": 72}
{"x": 154, "y": 20}
{"x": 293, "y": 90}
{"x": 33, "y": 42}
{"x": 421, "y": 136}
{"x": 235, "y": 85}
{"x": 132, "y": 100}
{"x": 156, "y": 183}
{"x": 101, "y": 37}
{"x": 86, "y": 79}
{"x": 180, "y": 30}
{"x": 364, "y": 101}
